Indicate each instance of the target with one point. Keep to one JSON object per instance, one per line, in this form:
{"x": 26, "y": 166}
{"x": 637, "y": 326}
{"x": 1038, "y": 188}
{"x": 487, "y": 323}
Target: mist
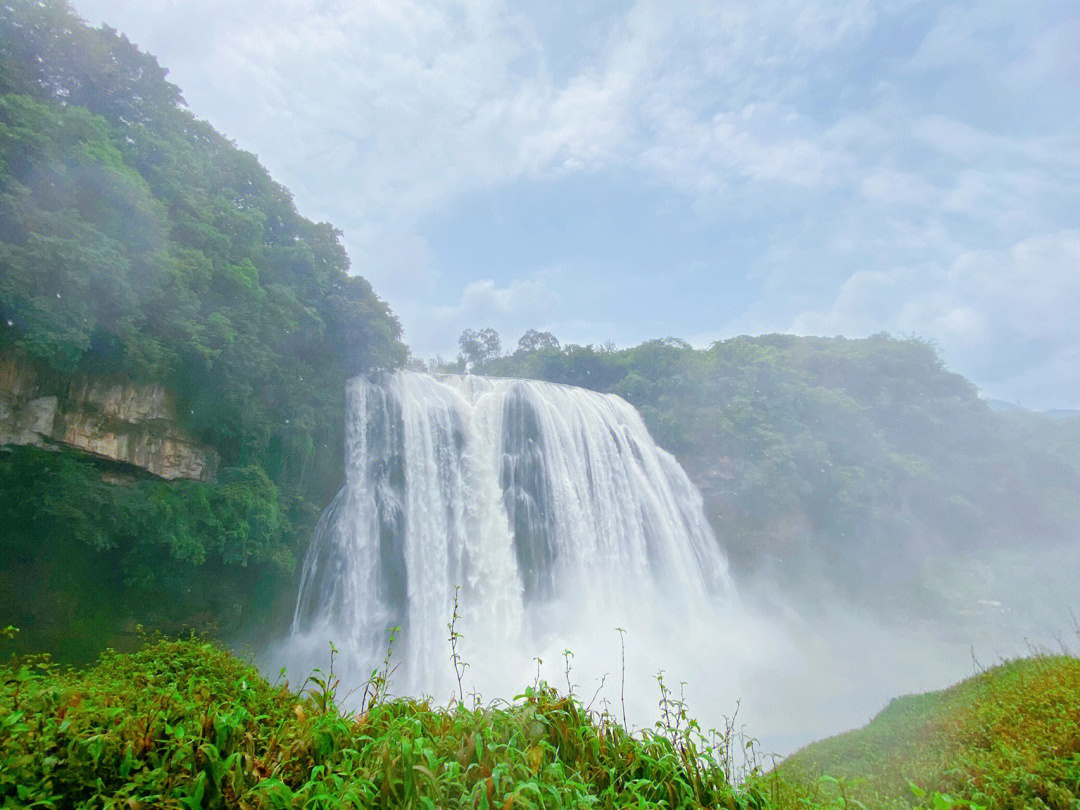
{"x": 779, "y": 666}
{"x": 778, "y": 672}
{"x": 697, "y": 361}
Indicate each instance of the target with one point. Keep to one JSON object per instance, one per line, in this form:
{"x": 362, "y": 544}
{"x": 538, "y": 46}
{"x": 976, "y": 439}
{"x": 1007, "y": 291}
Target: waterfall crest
{"x": 549, "y": 507}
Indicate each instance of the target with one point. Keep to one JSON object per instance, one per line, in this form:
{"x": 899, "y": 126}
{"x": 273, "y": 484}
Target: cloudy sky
{"x": 628, "y": 170}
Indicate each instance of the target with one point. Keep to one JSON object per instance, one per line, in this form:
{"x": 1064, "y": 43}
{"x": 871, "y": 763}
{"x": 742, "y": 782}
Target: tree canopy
{"x": 138, "y": 244}
{"x": 534, "y": 341}
{"x": 478, "y": 347}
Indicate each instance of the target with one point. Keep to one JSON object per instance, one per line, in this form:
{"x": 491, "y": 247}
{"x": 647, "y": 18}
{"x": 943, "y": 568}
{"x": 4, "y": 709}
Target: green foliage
{"x": 847, "y": 463}
{"x": 87, "y": 548}
{"x": 1009, "y": 737}
{"x": 478, "y": 347}
{"x": 184, "y": 724}
{"x": 534, "y": 341}
{"x": 136, "y": 241}
{"x": 138, "y": 244}
{"x": 148, "y": 246}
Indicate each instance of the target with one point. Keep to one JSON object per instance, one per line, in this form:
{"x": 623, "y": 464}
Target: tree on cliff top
{"x": 478, "y": 347}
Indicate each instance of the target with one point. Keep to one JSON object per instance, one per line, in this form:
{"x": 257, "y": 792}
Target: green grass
{"x": 186, "y": 724}
{"x": 1008, "y": 737}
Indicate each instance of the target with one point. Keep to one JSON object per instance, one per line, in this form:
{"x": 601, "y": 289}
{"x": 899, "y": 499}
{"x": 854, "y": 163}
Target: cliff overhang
{"x": 130, "y": 424}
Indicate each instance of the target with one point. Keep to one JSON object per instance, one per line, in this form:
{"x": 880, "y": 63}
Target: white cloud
{"x": 901, "y": 188}
{"x": 867, "y": 148}
{"x": 510, "y": 310}
{"x": 485, "y": 299}
{"x": 1032, "y": 289}
{"x": 381, "y": 110}
{"x": 1020, "y": 301}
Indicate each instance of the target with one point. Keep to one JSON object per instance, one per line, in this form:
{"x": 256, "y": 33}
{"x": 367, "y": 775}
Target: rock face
{"x": 133, "y": 424}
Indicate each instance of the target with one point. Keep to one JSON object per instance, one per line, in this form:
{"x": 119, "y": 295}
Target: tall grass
{"x": 186, "y": 724}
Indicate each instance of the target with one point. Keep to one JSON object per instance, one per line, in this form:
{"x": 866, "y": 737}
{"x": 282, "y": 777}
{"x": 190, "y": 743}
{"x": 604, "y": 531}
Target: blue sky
{"x": 701, "y": 170}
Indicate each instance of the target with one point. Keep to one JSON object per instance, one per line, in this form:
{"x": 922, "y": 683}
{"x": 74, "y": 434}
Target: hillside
{"x": 166, "y": 314}
{"x": 1007, "y": 737}
{"x": 860, "y": 468}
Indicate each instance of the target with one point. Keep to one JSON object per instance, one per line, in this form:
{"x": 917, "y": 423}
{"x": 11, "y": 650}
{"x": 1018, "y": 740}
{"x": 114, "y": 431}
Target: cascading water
{"x": 547, "y": 508}
{"x": 562, "y": 523}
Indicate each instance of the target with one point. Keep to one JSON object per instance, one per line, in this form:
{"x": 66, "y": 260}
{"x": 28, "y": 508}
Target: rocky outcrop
{"x": 133, "y": 424}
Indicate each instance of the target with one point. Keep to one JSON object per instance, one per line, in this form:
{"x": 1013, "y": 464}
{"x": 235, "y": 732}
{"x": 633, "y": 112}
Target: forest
{"x": 137, "y": 244}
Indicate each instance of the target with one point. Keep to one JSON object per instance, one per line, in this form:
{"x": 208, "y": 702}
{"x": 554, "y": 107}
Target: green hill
{"x": 1008, "y": 737}
{"x": 139, "y": 247}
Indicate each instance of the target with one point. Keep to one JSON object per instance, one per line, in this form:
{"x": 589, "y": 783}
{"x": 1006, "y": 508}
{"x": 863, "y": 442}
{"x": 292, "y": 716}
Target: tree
{"x": 140, "y": 246}
{"x": 533, "y": 341}
{"x": 479, "y": 347}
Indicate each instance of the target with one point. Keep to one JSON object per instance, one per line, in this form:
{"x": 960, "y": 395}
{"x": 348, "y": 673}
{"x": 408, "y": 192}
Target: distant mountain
{"x": 1002, "y": 405}
{"x": 1055, "y": 413}
{"x": 1063, "y": 413}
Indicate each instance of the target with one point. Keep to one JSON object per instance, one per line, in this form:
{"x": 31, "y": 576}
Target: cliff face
{"x": 133, "y": 424}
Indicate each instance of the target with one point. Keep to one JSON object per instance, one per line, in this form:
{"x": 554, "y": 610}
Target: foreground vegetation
{"x": 185, "y": 724}
{"x": 1008, "y": 737}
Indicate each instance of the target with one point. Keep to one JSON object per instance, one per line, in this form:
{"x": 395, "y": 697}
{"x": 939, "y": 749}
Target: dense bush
{"x": 83, "y": 556}
{"x": 184, "y": 724}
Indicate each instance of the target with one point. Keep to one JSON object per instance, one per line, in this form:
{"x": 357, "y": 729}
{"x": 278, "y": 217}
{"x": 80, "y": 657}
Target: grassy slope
{"x": 1008, "y": 737}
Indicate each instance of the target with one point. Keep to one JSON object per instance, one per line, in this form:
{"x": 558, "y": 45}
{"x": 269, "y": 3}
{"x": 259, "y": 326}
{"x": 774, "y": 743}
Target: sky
{"x": 620, "y": 171}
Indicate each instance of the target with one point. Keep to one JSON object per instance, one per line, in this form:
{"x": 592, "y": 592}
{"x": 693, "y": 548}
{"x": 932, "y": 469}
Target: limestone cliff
{"x": 133, "y": 424}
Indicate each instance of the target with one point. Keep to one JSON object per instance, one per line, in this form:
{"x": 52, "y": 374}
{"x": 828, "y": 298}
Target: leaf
{"x": 426, "y": 771}
{"x": 536, "y": 757}
{"x": 194, "y": 801}
{"x": 127, "y": 763}
{"x": 13, "y": 718}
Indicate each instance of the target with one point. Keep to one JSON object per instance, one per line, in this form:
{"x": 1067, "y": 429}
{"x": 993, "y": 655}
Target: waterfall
{"x": 546, "y": 509}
